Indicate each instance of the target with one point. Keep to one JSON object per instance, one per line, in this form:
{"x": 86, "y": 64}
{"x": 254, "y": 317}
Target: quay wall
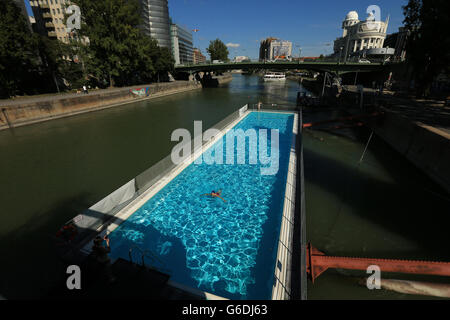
{"x": 53, "y": 107}
{"x": 217, "y": 80}
{"x": 226, "y": 78}
{"x": 426, "y": 147}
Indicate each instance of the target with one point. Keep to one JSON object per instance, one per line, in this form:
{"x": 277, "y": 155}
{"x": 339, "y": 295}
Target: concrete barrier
{"x": 426, "y": 147}
{"x": 20, "y": 113}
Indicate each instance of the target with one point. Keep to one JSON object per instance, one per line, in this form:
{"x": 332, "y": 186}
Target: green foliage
{"x": 217, "y": 50}
{"x": 72, "y": 63}
{"x": 428, "y": 48}
{"x": 18, "y": 50}
{"x": 119, "y": 53}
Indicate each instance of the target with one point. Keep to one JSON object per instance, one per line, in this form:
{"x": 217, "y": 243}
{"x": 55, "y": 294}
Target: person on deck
{"x": 100, "y": 253}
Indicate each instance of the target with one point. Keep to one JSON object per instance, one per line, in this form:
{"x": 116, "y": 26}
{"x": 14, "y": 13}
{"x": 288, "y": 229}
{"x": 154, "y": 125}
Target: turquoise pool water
{"x": 226, "y": 248}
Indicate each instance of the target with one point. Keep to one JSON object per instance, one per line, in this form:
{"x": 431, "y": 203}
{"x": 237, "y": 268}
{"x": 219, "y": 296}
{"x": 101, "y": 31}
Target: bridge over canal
{"x": 334, "y": 67}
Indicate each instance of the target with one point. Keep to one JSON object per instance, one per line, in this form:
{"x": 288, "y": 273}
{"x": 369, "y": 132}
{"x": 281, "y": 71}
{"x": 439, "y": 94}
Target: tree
{"x": 428, "y": 47}
{"x": 18, "y": 50}
{"x": 161, "y": 59}
{"x": 217, "y": 50}
{"x": 72, "y": 67}
{"x": 51, "y": 54}
{"x": 119, "y": 52}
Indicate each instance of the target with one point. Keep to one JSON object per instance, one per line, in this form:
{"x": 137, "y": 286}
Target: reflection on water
{"x": 282, "y": 93}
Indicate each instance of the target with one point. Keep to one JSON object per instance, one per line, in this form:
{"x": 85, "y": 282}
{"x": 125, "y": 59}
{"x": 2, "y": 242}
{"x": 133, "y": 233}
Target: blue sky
{"x": 310, "y": 25}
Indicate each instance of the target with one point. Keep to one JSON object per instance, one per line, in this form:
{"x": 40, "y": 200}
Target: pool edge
{"x": 282, "y": 275}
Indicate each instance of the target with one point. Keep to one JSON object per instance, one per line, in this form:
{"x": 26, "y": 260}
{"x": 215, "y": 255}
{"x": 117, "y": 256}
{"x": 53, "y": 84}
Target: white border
{"x": 281, "y": 287}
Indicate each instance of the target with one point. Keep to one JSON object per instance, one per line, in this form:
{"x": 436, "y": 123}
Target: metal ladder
{"x": 149, "y": 254}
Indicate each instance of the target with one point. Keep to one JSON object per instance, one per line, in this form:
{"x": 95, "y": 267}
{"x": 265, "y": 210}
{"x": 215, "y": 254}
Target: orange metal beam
{"x": 317, "y": 263}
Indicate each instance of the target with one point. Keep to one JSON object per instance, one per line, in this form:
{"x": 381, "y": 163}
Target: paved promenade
{"x": 429, "y": 112}
{"x": 59, "y": 96}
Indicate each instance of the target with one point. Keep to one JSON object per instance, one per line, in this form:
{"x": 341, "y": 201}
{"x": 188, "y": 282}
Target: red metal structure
{"x": 349, "y": 118}
{"x": 317, "y": 263}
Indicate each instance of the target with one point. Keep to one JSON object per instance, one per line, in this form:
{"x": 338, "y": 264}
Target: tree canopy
{"x": 428, "y": 48}
{"x": 119, "y": 52}
{"x": 18, "y": 49}
{"x": 217, "y": 50}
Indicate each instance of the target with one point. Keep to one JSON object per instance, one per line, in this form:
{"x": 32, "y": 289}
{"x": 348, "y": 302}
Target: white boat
{"x": 274, "y": 76}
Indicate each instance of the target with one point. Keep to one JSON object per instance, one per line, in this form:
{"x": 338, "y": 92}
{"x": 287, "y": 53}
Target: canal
{"x": 52, "y": 170}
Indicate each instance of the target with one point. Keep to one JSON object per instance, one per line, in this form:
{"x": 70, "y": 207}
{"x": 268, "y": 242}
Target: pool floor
{"x": 226, "y": 248}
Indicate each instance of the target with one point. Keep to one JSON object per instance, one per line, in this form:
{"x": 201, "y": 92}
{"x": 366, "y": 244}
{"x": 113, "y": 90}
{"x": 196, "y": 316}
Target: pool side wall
{"x": 283, "y": 266}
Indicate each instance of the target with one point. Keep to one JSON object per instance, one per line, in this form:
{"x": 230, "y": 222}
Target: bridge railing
{"x": 319, "y": 62}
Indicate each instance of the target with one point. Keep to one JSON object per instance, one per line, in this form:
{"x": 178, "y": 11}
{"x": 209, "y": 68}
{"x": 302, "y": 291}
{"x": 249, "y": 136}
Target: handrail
{"x": 149, "y": 254}
{"x": 272, "y": 106}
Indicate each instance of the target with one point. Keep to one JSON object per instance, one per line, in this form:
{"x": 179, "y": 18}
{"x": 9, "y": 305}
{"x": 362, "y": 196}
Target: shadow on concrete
{"x": 428, "y": 112}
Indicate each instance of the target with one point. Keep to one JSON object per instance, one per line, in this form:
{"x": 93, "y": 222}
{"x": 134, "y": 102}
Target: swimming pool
{"x": 226, "y": 248}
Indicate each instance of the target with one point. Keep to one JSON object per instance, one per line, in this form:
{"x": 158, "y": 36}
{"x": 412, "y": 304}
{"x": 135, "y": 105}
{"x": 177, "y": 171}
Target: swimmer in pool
{"x": 215, "y": 195}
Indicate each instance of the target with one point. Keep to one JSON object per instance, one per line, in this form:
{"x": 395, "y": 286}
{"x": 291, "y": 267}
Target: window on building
{"x": 58, "y": 10}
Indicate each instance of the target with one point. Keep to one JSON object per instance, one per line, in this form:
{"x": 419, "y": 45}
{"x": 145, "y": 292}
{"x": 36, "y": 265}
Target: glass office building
{"x": 182, "y": 45}
{"x": 156, "y": 22}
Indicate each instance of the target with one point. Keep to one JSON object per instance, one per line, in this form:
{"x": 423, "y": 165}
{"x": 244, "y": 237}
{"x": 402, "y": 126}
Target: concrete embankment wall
{"x": 54, "y": 107}
{"x": 225, "y": 78}
{"x": 426, "y": 147}
{"x": 217, "y": 80}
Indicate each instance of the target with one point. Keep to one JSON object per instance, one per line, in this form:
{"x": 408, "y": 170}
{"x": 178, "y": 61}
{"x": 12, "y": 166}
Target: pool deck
{"x": 281, "y": 287}
{"x": 282, "y": 284}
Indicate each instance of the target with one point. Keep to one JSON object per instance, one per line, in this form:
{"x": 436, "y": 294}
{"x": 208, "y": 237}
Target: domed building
{"x": 360, "y": 37}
